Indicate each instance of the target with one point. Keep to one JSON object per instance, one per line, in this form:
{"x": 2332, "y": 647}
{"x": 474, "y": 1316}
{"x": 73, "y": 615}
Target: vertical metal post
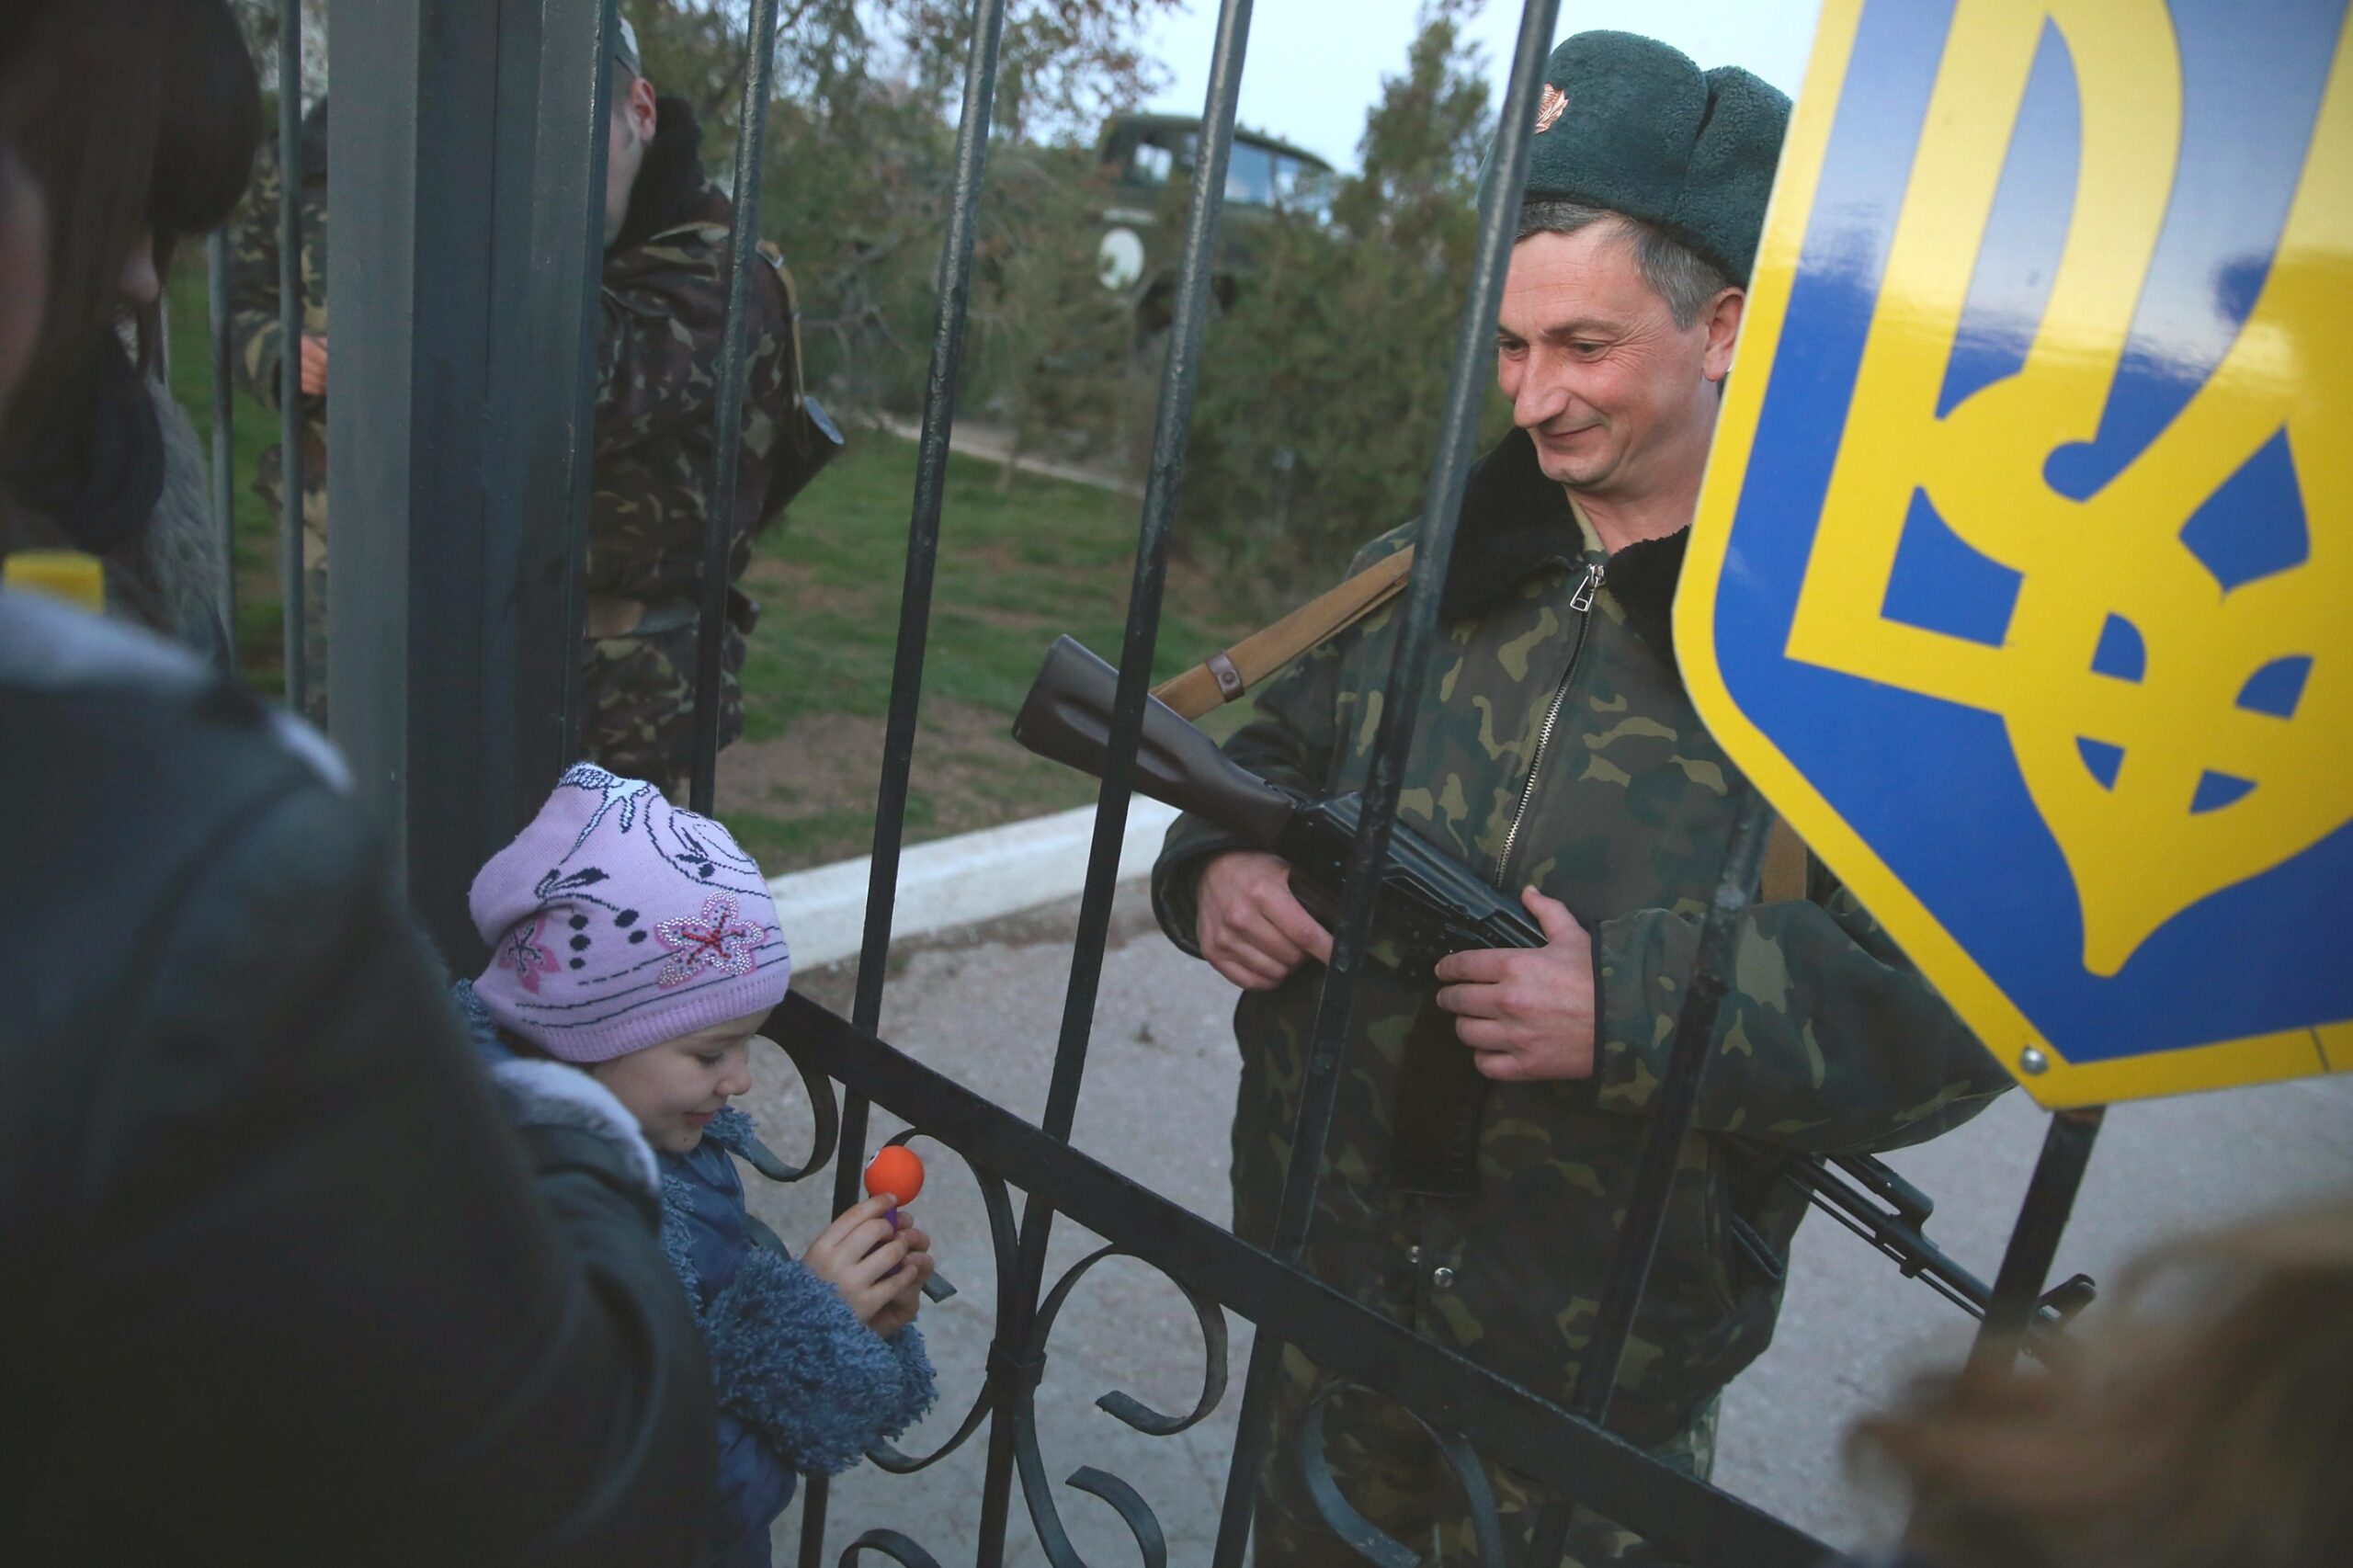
{"x": 955, "y": 290}
{"x": 465, "y": 145}
{"x": 727, "y": 424}
{"x": 2034, "y": 1240}
{"x": 224, "y": 481}
{"x": 1162, "y": 483}
{"x": 1434, "y": 547}
{"x": 1672, "y": 1107}
{"x": 290, "y": 582}
{"x": 546, "y": 396}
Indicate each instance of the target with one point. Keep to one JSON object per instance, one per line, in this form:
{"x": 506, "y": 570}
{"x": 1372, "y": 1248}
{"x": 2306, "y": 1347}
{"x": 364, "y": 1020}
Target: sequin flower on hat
{"x": 713, "y": 940}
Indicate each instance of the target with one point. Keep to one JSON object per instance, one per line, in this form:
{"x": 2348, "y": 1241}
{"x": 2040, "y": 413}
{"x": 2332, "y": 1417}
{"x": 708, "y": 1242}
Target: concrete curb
{"x": 959, "y": 881}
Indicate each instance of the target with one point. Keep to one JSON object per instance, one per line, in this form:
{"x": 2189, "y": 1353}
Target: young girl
{"x": 637, "y": 942}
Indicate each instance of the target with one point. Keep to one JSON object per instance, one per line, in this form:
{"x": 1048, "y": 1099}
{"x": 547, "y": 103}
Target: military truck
{"x": 1145, "y": 162}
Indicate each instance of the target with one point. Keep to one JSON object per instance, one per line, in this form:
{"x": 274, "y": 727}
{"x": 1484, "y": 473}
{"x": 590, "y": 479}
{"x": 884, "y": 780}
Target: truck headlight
{"x": 1118, "y": 261}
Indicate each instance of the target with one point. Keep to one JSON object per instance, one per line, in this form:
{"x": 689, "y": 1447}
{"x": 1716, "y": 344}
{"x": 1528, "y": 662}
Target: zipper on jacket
{"x": 1580, "y": 601}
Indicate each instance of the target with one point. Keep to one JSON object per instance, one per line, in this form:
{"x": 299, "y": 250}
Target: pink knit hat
{"x": 617, "y": 921}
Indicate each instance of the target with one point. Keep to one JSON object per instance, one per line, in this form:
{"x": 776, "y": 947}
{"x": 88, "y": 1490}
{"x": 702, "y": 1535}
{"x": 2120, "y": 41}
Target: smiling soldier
{"x": 1555, "y": 750}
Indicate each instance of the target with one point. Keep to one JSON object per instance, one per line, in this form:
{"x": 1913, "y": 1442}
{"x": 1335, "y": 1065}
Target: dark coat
{"x": 284, "y": 1288}
{"x": 1555, "y": 744}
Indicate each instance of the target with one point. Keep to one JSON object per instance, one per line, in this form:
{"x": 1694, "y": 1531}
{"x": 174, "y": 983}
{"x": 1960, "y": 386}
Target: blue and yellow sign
{"x": 2023, "y": 577}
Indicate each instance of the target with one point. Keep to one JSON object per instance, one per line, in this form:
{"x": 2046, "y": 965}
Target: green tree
{"x": 859, "y": 165}
{"x": 1322, "y": 387}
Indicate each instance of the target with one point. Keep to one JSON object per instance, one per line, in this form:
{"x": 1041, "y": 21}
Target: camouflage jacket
{"x": 257, "y": 344}
{"x": 1554, "y": 662}
{"x": 664, "y": 309}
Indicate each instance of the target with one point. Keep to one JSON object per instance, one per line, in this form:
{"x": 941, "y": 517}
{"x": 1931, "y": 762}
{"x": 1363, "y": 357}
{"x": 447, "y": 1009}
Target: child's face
{"x": 675, "y": 1088}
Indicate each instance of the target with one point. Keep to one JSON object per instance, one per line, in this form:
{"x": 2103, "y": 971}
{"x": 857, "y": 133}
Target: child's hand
{"x": 856, "y": 1250}
{"x": 901, "y": 1308}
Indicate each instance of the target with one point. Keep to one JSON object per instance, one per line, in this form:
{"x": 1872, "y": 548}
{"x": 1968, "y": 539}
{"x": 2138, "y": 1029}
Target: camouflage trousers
{"x": 1391, "y": 1473}
{"x": 638, "y": 693}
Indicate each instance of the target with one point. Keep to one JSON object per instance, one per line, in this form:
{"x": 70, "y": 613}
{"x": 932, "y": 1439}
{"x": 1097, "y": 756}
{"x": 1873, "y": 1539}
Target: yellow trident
{"x": 2137, "y": 851}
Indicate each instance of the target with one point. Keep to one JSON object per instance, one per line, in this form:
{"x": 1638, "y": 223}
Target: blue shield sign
{"x": 2023, "y": 577}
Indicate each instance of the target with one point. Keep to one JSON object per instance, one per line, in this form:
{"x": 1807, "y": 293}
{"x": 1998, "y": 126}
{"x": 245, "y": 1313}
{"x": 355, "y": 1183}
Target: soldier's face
{"x": 24, "y": 268}
{"x": 1620, "y": 401}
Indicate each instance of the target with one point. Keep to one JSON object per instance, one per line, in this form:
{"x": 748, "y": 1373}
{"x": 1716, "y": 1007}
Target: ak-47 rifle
{"x": 1429, "y": 905}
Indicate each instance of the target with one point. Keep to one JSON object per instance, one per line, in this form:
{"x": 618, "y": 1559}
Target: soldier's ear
{"x": 1722, "y": 321}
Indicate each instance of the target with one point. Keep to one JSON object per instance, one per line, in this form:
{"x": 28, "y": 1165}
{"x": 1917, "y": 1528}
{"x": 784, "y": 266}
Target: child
{"x": 637, "y": 942}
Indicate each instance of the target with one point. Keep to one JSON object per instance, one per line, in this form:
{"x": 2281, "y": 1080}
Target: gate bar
{"x": 727, "y": 427}
{"x": 1466, "y": 391}
{"x": 291, "y": 583}
{"x": 1699, "y": 1522}
{"x": 557, "y": 120}
{"x": 1677, "y": 1101}
{"x": 224, "y": 484}
{"x": 1164, "y": 481}
{"x": 955, "y": 290}
{"x": 1672, "y": 1108}
{"x": 466, "y": 152}
{"x": 2034, "y": 1240}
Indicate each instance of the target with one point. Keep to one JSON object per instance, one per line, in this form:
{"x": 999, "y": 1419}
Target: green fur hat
{"x": 1632, "y": 125}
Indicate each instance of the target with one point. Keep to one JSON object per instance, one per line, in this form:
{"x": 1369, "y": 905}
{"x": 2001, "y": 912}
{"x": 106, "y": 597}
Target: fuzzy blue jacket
{"x": 802, "y": 1386}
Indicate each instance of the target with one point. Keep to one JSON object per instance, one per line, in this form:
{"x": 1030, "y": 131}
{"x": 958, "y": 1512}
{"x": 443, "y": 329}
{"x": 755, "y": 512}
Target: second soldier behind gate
{"x": 257, "y": 344}
{"x": 668, "y": 236}
{"x": 669, "y": 232}
{"x": 1555, "y": 749}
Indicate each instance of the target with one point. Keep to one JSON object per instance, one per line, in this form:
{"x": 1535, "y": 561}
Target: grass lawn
{"x": 254, "y": 431}
{"x": 1016, "y": 569}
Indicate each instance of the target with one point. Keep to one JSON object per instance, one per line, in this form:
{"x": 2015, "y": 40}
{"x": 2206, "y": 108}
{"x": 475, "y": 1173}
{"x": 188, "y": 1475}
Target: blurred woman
{"x": 290, "y": 1279}
{"x": 142, "y": 131}
{"x": 2205, "y": 1423}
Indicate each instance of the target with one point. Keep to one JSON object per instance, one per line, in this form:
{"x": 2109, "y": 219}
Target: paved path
{"x": 995, "y": 443}
{"x": 1158, "y": 1095}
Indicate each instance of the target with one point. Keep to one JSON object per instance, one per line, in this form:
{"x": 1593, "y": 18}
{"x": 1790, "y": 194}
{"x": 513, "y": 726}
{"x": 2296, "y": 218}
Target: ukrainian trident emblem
{"x": 2133, "y": 449}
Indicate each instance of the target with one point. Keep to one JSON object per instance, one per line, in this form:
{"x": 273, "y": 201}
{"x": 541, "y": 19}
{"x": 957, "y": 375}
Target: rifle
{"x": 1429, "y": 905}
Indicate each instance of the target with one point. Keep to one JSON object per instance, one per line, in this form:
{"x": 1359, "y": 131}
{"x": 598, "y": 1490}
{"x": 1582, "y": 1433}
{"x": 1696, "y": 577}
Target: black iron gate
{"x": 468, "y": 144}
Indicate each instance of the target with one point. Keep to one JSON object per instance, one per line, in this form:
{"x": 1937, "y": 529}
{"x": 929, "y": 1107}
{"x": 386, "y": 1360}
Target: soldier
{"x": 668, "y": 236}
{"x": 1555, "y": 749}
{"x": 257, "y": 346}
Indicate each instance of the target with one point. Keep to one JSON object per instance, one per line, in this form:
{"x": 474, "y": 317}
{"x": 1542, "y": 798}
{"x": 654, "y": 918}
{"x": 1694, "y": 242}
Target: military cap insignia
{"x": 1549, "y": 107}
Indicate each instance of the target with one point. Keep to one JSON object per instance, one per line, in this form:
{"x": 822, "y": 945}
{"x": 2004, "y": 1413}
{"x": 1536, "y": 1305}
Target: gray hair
{"x": 1687, "y": 281}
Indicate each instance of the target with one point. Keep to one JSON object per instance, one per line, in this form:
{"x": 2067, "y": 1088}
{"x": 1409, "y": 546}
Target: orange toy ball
{"x": 895, "y": 1169}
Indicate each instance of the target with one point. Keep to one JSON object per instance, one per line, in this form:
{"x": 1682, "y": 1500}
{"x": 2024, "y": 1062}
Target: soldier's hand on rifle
{"x": 315, "y": 366}
{"x": 1527, "y": 1012}
{"x": 1251, "y": 929}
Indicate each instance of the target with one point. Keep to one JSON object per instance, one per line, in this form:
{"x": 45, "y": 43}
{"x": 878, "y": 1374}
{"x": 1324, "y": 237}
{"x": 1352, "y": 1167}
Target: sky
{"x": 1315, "y": 66}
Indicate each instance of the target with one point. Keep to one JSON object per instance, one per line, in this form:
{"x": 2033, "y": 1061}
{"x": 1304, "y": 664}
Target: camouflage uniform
{"x": 665, "y": 308}
{"x": 257, "y": 347}
{"x": 1828, "y": 1040}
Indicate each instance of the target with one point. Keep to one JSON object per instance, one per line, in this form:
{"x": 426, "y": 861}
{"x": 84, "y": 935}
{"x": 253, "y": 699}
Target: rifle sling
{"x": 1225, "y": 677}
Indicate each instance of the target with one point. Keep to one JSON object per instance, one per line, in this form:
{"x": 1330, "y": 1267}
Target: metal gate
{"x": 469, "y": 147}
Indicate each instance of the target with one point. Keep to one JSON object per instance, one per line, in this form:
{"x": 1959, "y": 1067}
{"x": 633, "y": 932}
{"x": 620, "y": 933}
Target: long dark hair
{"x": 140, "y": 118}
